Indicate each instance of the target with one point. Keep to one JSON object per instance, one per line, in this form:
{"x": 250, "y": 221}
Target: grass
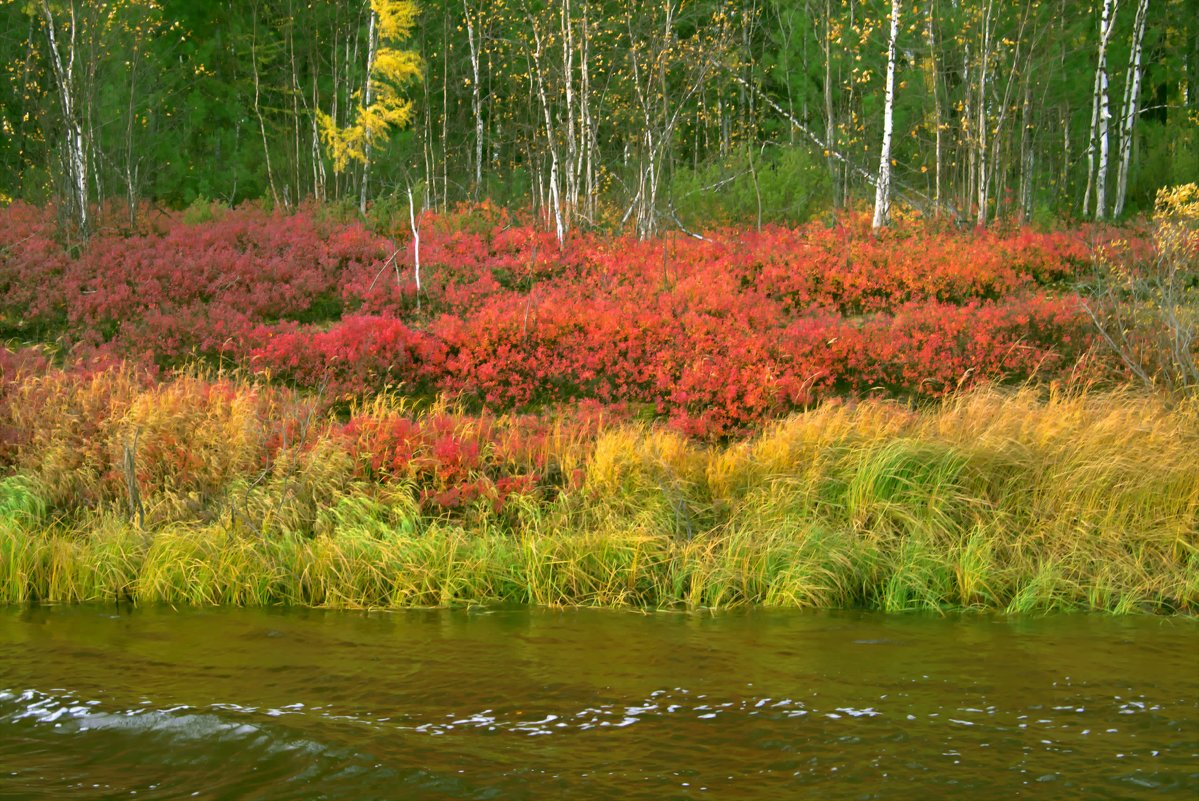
{"x": 1018, "y": 502}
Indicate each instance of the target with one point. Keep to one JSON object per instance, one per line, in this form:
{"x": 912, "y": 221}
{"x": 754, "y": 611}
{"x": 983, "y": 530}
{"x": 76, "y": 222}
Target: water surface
{"x": 519, "y": 704}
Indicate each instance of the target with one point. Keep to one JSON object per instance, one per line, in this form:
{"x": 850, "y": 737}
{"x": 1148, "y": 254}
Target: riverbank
{"x": 262, "y": 408}
{"x": 215, "y": 491}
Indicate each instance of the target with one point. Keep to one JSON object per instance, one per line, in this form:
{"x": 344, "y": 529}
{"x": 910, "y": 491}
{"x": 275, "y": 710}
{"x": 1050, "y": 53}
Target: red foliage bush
{"x": 357, "y": 354}
{"x": 454, "y": 459}
{"x": 716, "y": 335}
{"x": 197, "y": 289}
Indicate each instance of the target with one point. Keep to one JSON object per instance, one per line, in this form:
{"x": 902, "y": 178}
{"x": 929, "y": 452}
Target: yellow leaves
{"x": 395, "y": 18}
{"x": 345, "y": 144}
{"x": 1177, "y": 201}
{"x": 396, "y": 66}
{"x": 1176, "y": 214}
{"x": 388, "y": 109}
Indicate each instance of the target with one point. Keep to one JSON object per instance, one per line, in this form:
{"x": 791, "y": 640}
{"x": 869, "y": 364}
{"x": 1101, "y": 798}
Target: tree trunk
{"x": 132, "y": 164}
{"x": 829, "y": 122}
{"x": 1100, "y": 116}
{"x": 882, "y": 189}
{"x": 76, "y": 145}
{"x": 568, "y": 84}
{"x": 1026, "y": 150}
{"x": 476, "y": 98}
{"x": 1128, "y": 118}
{"x": 585, "y": 119}
{"x": 981, "y": 180}
{"x": 367, "y": 97}
{"x": 555, "y": 196}
{"x": 931, "y": 35}
{"x": 266, "y": 148}
{"x": 412, "y": 216}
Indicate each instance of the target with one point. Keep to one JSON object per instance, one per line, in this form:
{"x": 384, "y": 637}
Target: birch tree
{"x": 1098, "y": 140}
{"x": 882, "y": 188}
{"x": 1128, "y": 116}
{"x": 63, "y": 53}
{"x": 980, "y": 129}
{"x": 934, "y": 86}
{"x": 538, "y": 74}
{"x": 384, "y": 107}
{"x": 368, "y": 92}
{"x": 645, "y": 108}
{"x": 474, "y": 40}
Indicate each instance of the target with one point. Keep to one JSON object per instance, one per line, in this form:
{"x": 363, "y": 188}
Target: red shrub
{"x": 356, "y": 355}
{"x": 716, "y": 335}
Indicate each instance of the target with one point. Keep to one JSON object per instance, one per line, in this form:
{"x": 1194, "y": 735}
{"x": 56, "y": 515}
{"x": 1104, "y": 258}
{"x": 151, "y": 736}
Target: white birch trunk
{"x": 415, "y": 244}
{"x": 830, "y": 138}
{"x": 568, "y": 82}
{"x": 1026, "y": 151}
{"x": 555, "y": 196}
{"x": 882, "y": 189}
{"x": 64, "y": 78}
{"x": 967, "y": 122}
{"x": 588, "y": 131}
{"x": 931, "y": 37}
{"x": 367, "y": 96}
{"x": 266, "y": 148}
{"x": 982, "y": 180}
{"x": 1100, "y": 116}
{"x": 997, "y": 139}
{"x": 476, "y": 97}
{"x": 1128, "y": 118}
{"x": 319, "y": 178}
{"x": 1105, "y": 117}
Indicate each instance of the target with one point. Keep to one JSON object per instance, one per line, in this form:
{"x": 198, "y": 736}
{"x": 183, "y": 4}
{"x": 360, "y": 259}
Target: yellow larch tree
{"x": 383, "y": 107}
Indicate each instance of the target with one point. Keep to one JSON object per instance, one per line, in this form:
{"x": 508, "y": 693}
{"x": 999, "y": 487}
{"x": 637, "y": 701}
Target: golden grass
{"x": 1012, "y": 501}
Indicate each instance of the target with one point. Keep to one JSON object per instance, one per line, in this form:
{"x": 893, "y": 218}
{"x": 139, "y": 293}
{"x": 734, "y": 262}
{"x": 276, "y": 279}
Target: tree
{"x": 64, "y": 48}
{"x": 1128, "y": 116}
{"x": 882, "y": 189}
{"x": 1100, "y": 117}
{"x": 593, "y": 112}
{"x": 384, "y": 108}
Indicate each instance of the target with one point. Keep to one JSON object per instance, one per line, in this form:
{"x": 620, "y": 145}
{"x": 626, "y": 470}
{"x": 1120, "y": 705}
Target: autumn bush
{"x": 200, "y": 446}
{"x": 715, "y": 335}
{"x": 1144, "y": 301}
{"x": 454, "y": 460}
{"x": 349, "y": 357}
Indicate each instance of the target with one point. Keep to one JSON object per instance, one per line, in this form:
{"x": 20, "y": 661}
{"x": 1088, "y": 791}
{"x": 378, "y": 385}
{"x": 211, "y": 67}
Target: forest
{"x": 642, "y": 117}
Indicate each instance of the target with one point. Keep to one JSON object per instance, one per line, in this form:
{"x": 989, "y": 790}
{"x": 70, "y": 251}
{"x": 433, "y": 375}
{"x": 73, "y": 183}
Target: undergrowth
{"x": 201, "y": 491}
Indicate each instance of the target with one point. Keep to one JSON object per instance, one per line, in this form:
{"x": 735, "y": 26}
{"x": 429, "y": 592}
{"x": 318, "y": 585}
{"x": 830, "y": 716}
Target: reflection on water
{"x": 518, "y": 704}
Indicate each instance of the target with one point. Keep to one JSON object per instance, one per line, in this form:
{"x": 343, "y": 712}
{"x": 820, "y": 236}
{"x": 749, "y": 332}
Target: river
{"x": 158, "y": 703}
